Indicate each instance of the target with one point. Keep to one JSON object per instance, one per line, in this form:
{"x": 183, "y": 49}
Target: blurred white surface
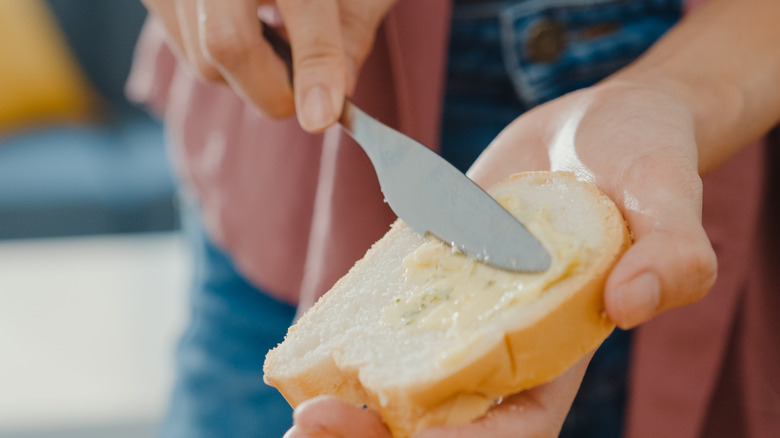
{"x": 88, "y": 327}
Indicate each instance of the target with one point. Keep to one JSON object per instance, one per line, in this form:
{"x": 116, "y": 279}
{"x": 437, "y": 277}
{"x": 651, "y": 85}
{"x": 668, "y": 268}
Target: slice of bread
{"x": 425, "y": 336}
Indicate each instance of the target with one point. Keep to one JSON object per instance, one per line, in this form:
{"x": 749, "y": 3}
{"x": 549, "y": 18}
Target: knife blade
{"x": 432, "y": 196}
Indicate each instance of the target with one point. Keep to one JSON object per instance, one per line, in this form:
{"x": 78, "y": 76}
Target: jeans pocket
{"x": 554, "y": 47}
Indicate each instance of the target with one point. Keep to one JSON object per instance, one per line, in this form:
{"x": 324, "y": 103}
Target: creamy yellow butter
{"x": 448, "y": 290}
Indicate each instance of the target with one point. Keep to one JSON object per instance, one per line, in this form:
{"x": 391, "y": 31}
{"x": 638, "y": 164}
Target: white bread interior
{"x": 341, "y": 347}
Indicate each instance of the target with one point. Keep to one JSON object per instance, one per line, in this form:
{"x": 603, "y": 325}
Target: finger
{"x": 318, "y": 58}
{"x": 187, "y": 17}
{"x": 672, "y": 262}
{"x": 359, "y": 23}
{"x": 165, "y": 11}
{"x": 231, "y": 40}
{"x": 517, "y": 148}
{"x": 538, "y": 412}
{"x": 328, "y": 414}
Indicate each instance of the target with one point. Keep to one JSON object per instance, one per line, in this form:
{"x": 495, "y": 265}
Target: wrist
{"x": 719, "y": 61}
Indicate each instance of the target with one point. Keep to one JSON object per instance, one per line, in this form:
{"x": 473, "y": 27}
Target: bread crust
{"x": 570, "y": 328}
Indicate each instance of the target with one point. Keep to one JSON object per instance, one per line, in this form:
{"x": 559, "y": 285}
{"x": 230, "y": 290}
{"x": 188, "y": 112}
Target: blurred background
{"x": 93, "y": 273}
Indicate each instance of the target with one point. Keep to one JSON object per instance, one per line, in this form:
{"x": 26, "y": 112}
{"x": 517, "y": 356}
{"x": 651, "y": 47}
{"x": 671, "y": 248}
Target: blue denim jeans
{"x": 504, "y": 58}
{"x": 219, "y": 390}
{"x": 493, "y": 74}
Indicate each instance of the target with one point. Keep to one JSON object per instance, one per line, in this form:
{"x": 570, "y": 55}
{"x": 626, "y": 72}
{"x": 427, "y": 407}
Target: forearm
{"x": 723, "y": 63}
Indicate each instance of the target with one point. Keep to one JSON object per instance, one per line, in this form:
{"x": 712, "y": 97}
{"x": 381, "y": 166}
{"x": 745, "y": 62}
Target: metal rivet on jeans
{"x": 546, "y": 41}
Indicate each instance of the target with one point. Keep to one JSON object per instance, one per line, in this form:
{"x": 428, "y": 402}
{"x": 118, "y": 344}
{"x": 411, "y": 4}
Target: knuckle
{"x": 359, "y": 23}
{"x": 701, "y": 267}
{"x": 205, "y": 71}
{"x": 321, "y": 55}
{"x": 223, "y": 46}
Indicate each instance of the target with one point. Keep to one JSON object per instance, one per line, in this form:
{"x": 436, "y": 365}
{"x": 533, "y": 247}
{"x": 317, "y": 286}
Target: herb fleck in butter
{"x": 448, "y": 290}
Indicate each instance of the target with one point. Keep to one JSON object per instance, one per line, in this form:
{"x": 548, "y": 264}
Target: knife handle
{"x": 280, "y": 46}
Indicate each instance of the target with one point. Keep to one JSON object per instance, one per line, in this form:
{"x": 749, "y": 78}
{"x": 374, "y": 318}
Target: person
{"x": 285, "y": 212}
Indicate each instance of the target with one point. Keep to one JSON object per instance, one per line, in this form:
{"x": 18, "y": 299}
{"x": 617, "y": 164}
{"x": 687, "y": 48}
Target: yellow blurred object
{"x": 40, "y": 81}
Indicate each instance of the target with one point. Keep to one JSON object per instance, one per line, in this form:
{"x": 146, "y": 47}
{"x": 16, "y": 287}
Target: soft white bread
{"x": 400, "y": 335}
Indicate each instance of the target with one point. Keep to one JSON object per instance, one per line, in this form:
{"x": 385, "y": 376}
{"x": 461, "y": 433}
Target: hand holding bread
{"x": 537, "y": 412}
{"x": 426, "y": 336}
{"x": 636, "y": 146}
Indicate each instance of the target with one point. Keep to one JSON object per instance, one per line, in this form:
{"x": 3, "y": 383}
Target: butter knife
{"x": 430, "y": 195}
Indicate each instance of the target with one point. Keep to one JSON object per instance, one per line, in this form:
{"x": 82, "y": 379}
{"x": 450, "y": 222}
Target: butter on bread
{"x": 427, "y": 337}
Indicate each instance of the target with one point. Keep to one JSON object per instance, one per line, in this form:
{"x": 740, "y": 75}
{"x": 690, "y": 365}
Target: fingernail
{"x": 638, "y": 299}
{"x": 317, "y": 111}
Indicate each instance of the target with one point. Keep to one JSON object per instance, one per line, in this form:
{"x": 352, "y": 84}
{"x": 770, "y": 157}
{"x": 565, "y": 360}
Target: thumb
{"x": 330, "y": 416}
{"x": 318, "y": 59}
{"x": 671, "y": 263}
